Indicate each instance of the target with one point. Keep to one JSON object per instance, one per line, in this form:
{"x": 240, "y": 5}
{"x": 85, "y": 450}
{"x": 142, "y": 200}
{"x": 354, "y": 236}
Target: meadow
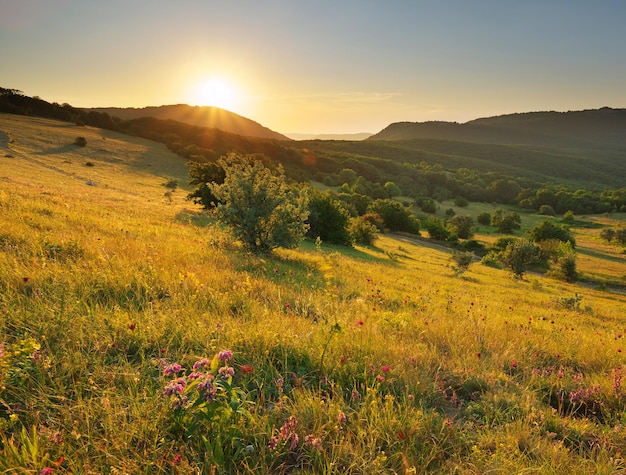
{"x": 137, "y": 337}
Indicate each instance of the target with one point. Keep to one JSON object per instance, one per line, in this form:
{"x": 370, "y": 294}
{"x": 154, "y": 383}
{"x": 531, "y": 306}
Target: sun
{"x": 217, "y": 92}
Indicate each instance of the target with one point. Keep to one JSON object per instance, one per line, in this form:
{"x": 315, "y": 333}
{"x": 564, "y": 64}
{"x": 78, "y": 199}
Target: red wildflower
{"x": 385, "y": 368}
{"x": 247, "y": 369}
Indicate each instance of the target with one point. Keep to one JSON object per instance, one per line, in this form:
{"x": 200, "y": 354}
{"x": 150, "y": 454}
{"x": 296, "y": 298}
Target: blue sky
{"x": 323, "y": 66}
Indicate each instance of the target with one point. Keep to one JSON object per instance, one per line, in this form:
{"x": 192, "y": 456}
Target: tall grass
{"x": 371, "y": 360}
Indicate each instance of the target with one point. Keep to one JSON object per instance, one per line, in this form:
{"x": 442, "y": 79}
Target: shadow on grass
{"x": 195, "y": 218}
{"x": 55, "y": 150}
{"x": 599, "y": 255}
{"x": 352, "y": 252}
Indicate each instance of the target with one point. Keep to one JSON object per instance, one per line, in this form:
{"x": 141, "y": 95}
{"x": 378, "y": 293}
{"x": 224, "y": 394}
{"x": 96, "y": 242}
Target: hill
{"x": 209, "y": 117}
{"x": 357, "y": 136}
{"x": 598, "y": 128}
{"x": 120, "y": 305}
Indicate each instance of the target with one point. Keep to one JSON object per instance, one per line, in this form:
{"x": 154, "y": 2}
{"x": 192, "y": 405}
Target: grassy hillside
{"x": 353, "y": 361}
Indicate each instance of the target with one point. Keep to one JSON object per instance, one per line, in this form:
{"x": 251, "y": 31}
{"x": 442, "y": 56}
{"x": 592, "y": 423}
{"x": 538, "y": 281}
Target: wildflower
{"x": 201, "y": 364}
{"x": 1, "y": 350}
{"x": 385, "y": 369}
{"x": 401, "y": 435}
{"x": 294, "y": 439}
{"x": 225, "y": 355}
{"x": 177, "y": 459}
{"x": 132, "y": 326}
{"x": 359, "y": 323}
{"x": 513, "y": 364}
{"x": 175, "y": 386}
{"x": 380, "y": 378}
{"x": 226, "y": 372}
{"x": 312, "y": 441}
{"x": 26, "y": 279}
{"x": 246, "y": 369}
{"x": 341, "y": 418}
{"x": 273, "y": 442}
{"x": 172, "y": 369}
{"x": 194, "y": 375}
{"x": 46, "y": 471}
{"x": 355, "y": 396}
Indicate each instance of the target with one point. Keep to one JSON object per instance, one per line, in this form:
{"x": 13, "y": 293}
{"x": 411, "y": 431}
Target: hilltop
{"x": 597, "y": 128}
{"x": 209, "y": 117}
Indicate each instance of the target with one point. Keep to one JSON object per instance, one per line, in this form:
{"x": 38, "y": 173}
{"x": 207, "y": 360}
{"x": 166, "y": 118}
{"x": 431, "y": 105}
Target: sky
{"x": 320, "y": 66}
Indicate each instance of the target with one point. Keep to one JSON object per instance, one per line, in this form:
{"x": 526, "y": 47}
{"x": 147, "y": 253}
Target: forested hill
{"x": 210, "y": 117}
{"x": 598, "y": 128}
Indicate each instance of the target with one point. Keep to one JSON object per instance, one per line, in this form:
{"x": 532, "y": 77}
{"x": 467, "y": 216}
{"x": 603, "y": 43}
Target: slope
{"x": 210, "y": 117}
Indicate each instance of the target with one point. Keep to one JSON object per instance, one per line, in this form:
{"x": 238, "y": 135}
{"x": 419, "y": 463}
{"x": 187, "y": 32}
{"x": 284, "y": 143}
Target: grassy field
{"x": 137, "y": 337}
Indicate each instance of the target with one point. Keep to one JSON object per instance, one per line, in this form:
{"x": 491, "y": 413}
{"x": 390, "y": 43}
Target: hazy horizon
{"x": 320, "y": 68}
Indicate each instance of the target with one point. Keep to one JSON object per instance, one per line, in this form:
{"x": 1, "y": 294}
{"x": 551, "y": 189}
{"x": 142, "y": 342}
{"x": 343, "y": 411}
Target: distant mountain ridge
{"x": 199, "y": 116}
{"x": 604, "y": 128}
{"x": 353, "y": 137}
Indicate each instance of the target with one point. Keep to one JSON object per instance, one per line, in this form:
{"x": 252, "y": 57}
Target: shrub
{"x": 568, "y": 217}
{"x": 203, "y": 175}
{"x": 505, "y": 222}
{"x": 484, "y": 218}
{"x": 436, "y": 229}
{"x": 547, "y": 210}
{"x": 395, "y": 216}
{"x": 428, "y": 206}
{"x": 565, "y": 263}
{"x": 519, "y": 255}
{"x": 548, "y": 230}
{"x": 461, "y": 202}
{"x": 462, "y": 226}
{"x": 362, "y": 231}
{"x": 80, "y": 141}
{"x": 608, "y": 234}
{"x": 172, "y": 184}
{"x": 462, "y": 261}
{"x": 260, "y": 208}
{"x": 328, "y": 219}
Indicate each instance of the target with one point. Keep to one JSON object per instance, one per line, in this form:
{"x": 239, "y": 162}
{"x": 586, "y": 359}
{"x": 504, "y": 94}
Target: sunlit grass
{"x": 388, "y": 362}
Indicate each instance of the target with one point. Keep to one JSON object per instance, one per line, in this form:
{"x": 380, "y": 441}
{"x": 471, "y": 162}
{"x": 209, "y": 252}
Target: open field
{"x": 345, "y": 361}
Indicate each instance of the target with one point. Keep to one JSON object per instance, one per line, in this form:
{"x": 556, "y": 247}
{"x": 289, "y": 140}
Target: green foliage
{"x": 427, "y": 205}
{"x": 462, "y": 261}
{"x": 392, "y": 189}
{"x": 564, "y": 266}
{"x": 80, "y": 141}
{"x": 547, "y": 210}
{"x": 259, "y": 207}
{"x": 436, "y": 229}
{"x": 608, "y": 234}
{"x": 461, "y": 202}
{"x": 328, "y": 219}
{"x": 462, "y": 226}
{"x": 348, "y": 176}
{"x": 505, "y": 222}
{"x": 547, "y": 230}
{"x": 171, "y": 183}
{"x": 519, "y": 255}
{"x": 362, "y": 231}
{"x": 568, "y": 217}
{"x": 203, "y": 175}
{"x": 395, "y": 216}
{"x": 483, "y": 218}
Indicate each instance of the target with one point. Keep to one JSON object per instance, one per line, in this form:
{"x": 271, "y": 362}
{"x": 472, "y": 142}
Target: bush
{"x": 395, "y": 216}
{"x": 260, "y": 208}
{"x": 519, "y": 255}
{"x": 548, "y": 230}
{"x": 328, "y": 219}
{"x": 462, "y": 226}
{"x": 80, "y": 141}
{"x": 203, "y": 175}
{"x": 436, "y": 229}
{"x": 565, "y": 263}
{"x": 461, "y": 202}
{"x": 362, "y": 231}
{"x": 505, "y": 222}
{"x": 484, "y": 218}
{"x": 547, "y": 210}
{"x": 172, "y": 184}
{"x": 462, "y": 261}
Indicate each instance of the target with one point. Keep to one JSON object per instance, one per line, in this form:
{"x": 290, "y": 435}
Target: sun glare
{"x": 217, "y": 92}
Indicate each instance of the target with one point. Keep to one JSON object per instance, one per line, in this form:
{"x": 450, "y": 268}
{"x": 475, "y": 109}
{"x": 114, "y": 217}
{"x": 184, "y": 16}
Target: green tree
{"x": 392, "y": 189}
{"x": 519, "y": 255}
{"x": 347, "y": 175}
{"x": 262, "y": 210}
{"x": 484, "y": 218}
{"x": 547, "y": 230}
{"x": 436, "y": 229}
{"x": 328, "y": 219}
{"x": 362, "y": 231}
{"x": 462, "y": 226}
{"x": 505, "y": 222}
{"x": 564, "y": 267}
{"x": 608, "y": 234}
{"x": 203, "y": 175}
{"x": 395, "y": 216}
